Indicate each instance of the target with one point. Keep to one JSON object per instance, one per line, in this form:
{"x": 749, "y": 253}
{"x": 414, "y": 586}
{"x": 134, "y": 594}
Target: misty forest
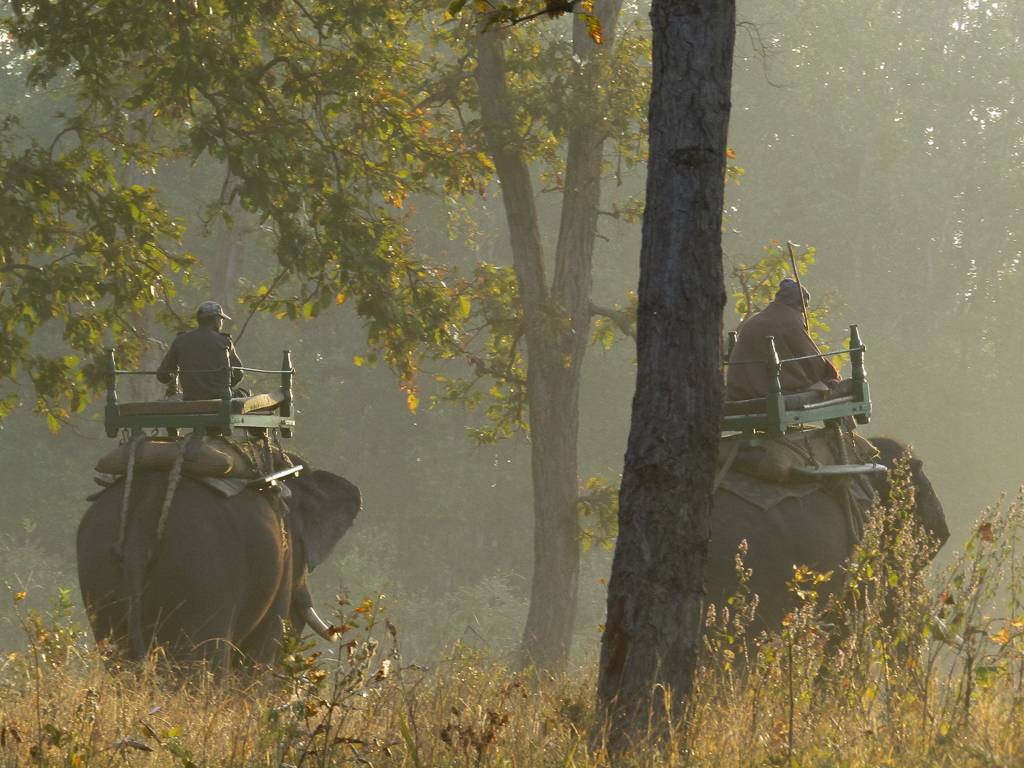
{"x": 438, "y": 211}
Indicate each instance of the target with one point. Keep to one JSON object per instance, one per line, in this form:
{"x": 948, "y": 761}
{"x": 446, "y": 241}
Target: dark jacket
{"x": 746, "y": 380}
{"x": 199, "y": 356}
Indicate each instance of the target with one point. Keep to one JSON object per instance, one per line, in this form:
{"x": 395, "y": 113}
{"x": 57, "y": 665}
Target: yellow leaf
{"x": 358, "y": 360}
{"x": 730, "y": 154}
{"x": 413, "y": 401}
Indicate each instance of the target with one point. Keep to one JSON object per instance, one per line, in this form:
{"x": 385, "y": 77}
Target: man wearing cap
{"x": 783, "y": 318}
{"x": 199, "y": 356}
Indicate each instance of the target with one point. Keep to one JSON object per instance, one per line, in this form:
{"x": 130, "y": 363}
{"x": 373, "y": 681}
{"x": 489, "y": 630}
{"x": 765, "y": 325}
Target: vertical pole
{"x": 287, "y": 375}
{"x": 111, "y": 412}
{"x": 225, "y": 395}
{"x": 775, "y": 406}
{"x": 860, "y": 376}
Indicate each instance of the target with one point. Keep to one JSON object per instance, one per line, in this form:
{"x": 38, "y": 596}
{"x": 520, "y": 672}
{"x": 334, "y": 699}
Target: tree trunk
{"x": 650, "y": 643}
{"x": 557, "y": 330}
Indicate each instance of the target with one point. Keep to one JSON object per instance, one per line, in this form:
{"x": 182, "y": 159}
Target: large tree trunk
{"x": 649, "y": 647}
{"x": 557, "y": 331}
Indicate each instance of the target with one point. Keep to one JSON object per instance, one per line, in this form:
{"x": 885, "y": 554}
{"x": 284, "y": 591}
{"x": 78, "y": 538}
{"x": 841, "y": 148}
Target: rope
{"x": 807, "y": 453}
{"x": 794, "y": 359}
{"x": 172, "y": 485}
{"x": 727, "y": 465}
{"x": 843, "y": 455}
{"x": 285, "y": 461}
{"x": 134, "y": 445}
{"x": 855, "y": 520}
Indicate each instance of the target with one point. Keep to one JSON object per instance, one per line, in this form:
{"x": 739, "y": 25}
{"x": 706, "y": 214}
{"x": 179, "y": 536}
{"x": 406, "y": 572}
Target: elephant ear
{"x": 323, "y": 506}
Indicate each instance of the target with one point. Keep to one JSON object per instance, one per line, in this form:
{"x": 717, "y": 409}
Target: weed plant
{"x": 861, "y": 681}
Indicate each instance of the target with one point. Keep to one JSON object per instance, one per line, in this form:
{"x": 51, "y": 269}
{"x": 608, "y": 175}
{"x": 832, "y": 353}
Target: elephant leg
{"x": 196, "y": 630}
{"x": 263, "y": 644}
{"x": 100, "y": 576}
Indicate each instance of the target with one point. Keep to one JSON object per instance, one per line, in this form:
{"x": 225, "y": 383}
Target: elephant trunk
{"x": 317, "y": 624}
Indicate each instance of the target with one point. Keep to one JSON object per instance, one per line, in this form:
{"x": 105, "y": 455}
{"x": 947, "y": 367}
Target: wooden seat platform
{"x": 239, "y": 405}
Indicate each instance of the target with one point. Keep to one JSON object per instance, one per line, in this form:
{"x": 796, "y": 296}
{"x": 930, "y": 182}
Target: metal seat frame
{"x": 775, "y": 420}
{"x": 225, "y": 418}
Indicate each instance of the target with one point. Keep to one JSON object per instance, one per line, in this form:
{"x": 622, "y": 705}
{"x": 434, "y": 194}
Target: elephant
{"x": 791, "y": 530}
{"x": 215, "y": 578}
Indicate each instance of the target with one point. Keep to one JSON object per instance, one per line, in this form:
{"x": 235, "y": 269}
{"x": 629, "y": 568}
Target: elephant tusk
{"x": 941, "y": 631}
{"x": 317, "y": 624}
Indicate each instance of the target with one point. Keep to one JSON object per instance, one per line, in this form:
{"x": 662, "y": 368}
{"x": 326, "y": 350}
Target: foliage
{"x": 322, "y": 135}
{"x": 549, "y": 97}
{"x": 79, "y": 249}
{"x": 316, "y": 126}
{"x": 30, "y": 570}
{"x": 599, "y": 501}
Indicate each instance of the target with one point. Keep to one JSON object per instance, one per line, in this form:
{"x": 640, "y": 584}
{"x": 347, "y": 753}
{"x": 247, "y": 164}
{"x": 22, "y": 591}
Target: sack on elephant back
{"x": 775, "y": 460}
{"x": 209, "y": 460}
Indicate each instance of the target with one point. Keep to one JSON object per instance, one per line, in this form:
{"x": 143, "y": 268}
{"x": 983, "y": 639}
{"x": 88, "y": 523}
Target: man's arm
{"x": 168, "y": 367}
{"x": 237, "y": 374}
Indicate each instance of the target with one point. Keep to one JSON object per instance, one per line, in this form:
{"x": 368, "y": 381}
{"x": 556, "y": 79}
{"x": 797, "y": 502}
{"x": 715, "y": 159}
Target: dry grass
{"x": 882, "y": 693}
{"x": 63, "y": 704}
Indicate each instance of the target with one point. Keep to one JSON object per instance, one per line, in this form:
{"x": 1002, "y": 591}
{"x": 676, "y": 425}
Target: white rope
{"x": 172, "y": 485}
{"x": 134, "y": 446}
{"x": 727, "y": 465}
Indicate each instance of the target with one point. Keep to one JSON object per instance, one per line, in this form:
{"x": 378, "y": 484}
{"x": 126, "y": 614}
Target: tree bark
{"x": 649, "y": 647}
{"x": 557, "y": 331}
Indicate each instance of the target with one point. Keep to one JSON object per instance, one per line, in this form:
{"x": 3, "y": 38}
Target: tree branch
{"x": 620, "y": 319}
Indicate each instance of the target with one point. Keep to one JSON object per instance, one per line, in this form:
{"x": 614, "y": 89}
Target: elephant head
{"x": 926, "y": 502}
{"x": 321, "y": 508}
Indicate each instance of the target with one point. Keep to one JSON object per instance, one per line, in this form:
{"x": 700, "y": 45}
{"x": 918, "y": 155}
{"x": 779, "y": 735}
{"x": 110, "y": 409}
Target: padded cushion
{"x": 210, "y": 460}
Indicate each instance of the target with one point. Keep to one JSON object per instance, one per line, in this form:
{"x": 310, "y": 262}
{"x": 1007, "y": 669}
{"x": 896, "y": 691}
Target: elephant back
{"x": 765, "y": 496}
{"x": 775, "y": 460}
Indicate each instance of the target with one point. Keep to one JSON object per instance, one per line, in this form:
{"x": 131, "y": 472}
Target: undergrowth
{"x": 865, "y": 680}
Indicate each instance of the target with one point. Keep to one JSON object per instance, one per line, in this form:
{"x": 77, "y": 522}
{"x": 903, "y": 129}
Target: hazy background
{"x": 885, "y": 134}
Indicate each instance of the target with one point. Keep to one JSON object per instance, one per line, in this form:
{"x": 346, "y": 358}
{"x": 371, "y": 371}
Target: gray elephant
{"x": 221, "y": 575}
{"x": 790, "y": 529}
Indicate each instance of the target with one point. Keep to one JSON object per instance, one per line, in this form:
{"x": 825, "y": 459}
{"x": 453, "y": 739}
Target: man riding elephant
{"x": 198, "y": 356}
{"x": 783, "y": 319}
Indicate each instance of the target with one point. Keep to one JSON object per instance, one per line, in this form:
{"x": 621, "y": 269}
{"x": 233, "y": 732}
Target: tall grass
{"x": 862, "y": 681}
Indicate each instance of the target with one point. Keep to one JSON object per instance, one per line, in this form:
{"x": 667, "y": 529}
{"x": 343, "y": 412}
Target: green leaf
{"x": 414, "y": 753}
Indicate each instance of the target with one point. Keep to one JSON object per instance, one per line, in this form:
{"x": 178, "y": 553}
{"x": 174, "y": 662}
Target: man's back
{"x": 745, "y": 375}
{"x": 200, "y": 355}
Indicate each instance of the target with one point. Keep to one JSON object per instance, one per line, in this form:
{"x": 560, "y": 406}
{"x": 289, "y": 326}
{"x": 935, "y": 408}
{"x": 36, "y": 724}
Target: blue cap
{"x": 789, "y": 293}
{"x": 210, "y": 309}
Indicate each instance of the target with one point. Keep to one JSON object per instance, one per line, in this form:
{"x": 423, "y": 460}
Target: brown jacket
{"x": 746, "y": 380}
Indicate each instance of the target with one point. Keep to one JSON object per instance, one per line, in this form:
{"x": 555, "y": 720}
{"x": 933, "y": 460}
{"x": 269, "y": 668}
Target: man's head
{"x": 789, "y": 293}
{"x": 211, "y": 314}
